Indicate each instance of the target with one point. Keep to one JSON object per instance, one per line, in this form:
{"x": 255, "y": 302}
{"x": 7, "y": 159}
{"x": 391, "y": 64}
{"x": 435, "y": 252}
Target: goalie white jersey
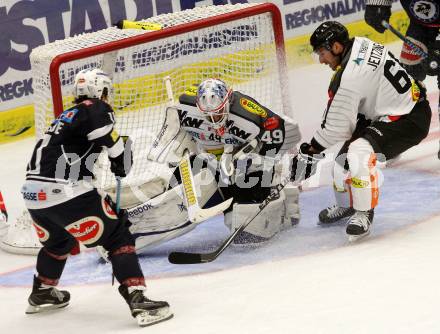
{"x": 365, "y": 83}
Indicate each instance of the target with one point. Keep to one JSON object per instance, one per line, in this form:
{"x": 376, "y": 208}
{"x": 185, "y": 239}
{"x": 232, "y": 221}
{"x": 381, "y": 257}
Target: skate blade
{"x": 335, "y": 223}
{"x": 356, "y": 238}
{"x": 146, "y": 318}
{"x": 31, "y": 309}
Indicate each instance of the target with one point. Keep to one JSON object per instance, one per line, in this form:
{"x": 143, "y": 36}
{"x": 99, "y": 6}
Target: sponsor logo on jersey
{"x": 139, "y": 210}
{"x": 189, "y": 121}
{"x": 191, "y": 91}
{"x": 271, "y": 123}
{"x": 236, "y": 131}
{"x": 186, "y": 181}
{"x": 56, "y": 191}
{"x": 426, "y": 11}
{"x": 253, "y": 107}
{"x": 358, "y": 183}
{"x": 29, "y": 196}
{"x": 68, "y": 115}
{"x": 362, "y": 53}
{"x": 415, "y": 91}
{"x": 408, "y": 55}
{"x": 42, "y": 233}
{"x": 87, "y": 230}
{"x": 108, "y": 210}
{"x": 42, "y": 196}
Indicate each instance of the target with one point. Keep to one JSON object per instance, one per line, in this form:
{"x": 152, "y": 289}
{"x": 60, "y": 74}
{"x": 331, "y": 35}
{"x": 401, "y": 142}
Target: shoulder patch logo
{"x": 426, "y": 11}
{"x": 68, "y": 115}
{"x": 252, "y": 107}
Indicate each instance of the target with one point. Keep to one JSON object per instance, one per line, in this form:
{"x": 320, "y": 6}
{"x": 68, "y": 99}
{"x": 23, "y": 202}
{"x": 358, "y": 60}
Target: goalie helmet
{"x": 327, "y": 33}
{"x": 213, "y": 100}
{"x": 92, "y": 84}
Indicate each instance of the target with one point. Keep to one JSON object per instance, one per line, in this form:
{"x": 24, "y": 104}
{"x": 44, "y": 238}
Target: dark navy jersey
{"x": 73, "y": 142}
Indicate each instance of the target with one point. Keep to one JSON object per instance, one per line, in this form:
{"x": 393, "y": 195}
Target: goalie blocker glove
{"x": 376, "y": 11}
{"x": 121, "y": 164}
{"x": 304, "y": 164}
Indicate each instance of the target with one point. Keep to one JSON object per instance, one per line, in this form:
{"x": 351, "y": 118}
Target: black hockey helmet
{"x": 327, "y": 33}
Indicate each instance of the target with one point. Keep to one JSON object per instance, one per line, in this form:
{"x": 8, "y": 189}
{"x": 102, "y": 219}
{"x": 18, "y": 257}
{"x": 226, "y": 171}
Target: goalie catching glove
{"x": 304, "y": 164}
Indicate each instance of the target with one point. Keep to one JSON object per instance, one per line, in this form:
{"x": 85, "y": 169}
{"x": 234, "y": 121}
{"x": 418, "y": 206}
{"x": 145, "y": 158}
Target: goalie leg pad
{"x": 267, "y": 224}
{"x": 164, "y": 217}
{"x": 134, "y": 195}
{"x": 292, "y": 214}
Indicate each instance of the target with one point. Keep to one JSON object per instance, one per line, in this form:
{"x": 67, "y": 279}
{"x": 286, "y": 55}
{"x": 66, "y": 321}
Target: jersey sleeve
{"x": 101, "y": 131}
{"x": 339, "y": 119}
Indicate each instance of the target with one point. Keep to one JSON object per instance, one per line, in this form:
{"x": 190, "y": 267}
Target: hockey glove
{"x": 121, "y": 165}
{"x": 304, "y": 164}
{"x": 375, "y": 14}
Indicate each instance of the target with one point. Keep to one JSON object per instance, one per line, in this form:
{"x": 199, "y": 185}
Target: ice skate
{"x": 334, "y": 214}
{"x": 146, "y": 311}
{"x": 45, "y": 298}
{"x": 359, "y": 225}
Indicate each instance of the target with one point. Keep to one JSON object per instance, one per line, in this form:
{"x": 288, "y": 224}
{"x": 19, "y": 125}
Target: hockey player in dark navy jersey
{"x": 67, "y": 209}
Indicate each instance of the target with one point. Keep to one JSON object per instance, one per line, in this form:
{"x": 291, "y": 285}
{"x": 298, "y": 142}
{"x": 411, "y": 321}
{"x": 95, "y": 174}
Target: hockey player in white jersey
{"x": 66, "y": 209}
{"x": 227, "y": 129}
{"x": 376, "y": 108}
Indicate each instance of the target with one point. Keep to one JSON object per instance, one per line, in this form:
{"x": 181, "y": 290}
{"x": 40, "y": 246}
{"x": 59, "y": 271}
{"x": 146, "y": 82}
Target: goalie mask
{"x": 213, "y": 100}
{"x": 93, "y": 83}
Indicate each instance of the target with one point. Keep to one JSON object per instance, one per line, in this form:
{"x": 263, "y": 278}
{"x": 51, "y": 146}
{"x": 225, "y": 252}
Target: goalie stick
{"x": 433, "y": 64}
{"x": 192, "y": 258}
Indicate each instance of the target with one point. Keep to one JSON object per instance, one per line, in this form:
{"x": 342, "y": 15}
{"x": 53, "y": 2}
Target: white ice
{"x": 307, "y": 280}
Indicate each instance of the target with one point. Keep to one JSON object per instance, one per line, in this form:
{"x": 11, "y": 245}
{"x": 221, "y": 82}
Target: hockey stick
{"x": 433, "y": 64}
{"x": 118, "y": 194}
{"x": 191, "y": 258}
{"x": 195, "y": 213}
{"x": 413, "y": 46}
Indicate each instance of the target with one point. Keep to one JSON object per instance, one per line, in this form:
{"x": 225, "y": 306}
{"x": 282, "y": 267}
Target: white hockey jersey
{"x": 370, "y": 81}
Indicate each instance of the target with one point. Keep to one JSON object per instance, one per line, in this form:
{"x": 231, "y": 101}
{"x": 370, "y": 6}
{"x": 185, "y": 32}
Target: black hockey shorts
{"x": 89, "y": 219}
{"x": 394, "y": 138}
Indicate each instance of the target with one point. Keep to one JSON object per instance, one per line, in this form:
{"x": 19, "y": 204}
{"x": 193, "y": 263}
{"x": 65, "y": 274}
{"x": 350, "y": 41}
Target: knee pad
{"x": 364, "y": 176}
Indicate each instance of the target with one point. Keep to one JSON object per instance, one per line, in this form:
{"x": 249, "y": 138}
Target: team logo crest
{"x": 271, "y": 123}
{"x": 426, "y": 11}
{"x": 42, "y": 233}
{"x": 87, "y": 230}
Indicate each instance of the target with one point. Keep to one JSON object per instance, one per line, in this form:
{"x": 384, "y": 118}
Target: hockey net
{"x": 242, "y": 44}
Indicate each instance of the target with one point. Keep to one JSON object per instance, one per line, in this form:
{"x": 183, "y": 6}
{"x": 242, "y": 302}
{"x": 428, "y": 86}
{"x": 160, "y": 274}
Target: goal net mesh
{"x": 242, "y": 52}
